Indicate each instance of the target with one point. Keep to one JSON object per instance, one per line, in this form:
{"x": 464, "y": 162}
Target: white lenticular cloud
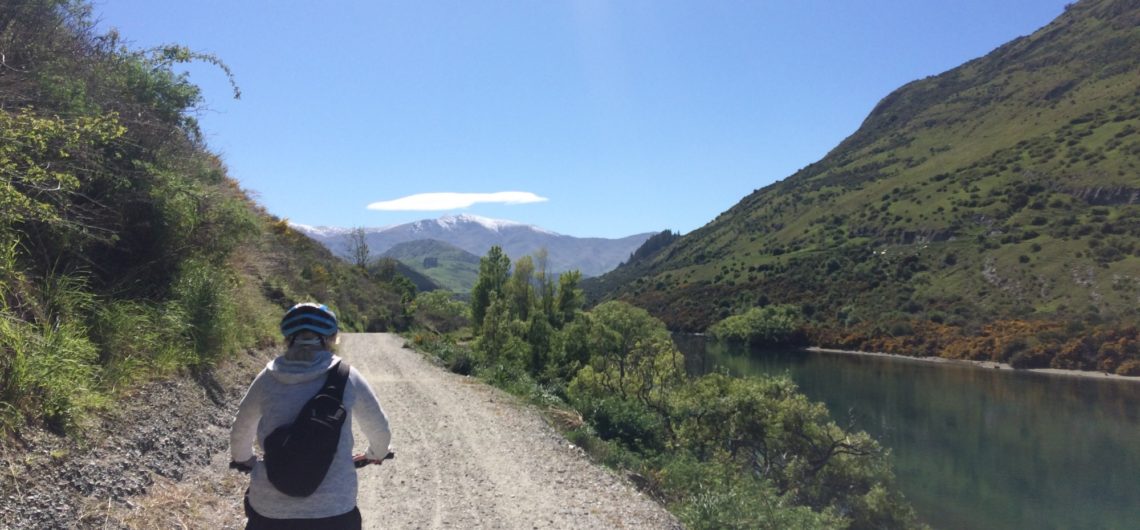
{"x": 453, "y": 201}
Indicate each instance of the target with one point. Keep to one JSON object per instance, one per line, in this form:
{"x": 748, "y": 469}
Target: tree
{"x": 546, "y": 289}
{"x": 632, "y": 357}
{"x": 500, "y": 343}
{"x": 494, "y": 269}
{"x": 569, "y": 299}
{"x": 766, "y": 428}
{"x": 538, "y": 336}
{"x": 520, "y": 290}
{"x": 358, "y": 251}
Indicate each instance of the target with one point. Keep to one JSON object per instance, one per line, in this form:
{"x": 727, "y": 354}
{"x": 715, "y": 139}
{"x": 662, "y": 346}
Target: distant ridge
{"x": 474, "y": 234}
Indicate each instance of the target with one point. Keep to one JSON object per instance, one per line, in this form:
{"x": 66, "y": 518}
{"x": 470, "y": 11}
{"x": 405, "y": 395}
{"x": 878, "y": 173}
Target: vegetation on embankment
{"x": 1019, "y": 344}
{"x": 126, "y": 253}
{"x": 721, "y": 452}
{"x": 989, "y": 212}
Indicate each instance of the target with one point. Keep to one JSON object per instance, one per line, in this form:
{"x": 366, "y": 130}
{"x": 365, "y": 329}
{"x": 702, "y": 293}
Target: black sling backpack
{"x": 298, "y": 455}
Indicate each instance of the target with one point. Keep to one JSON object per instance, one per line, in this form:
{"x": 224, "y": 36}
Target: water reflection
{"x": 973, "y": 447}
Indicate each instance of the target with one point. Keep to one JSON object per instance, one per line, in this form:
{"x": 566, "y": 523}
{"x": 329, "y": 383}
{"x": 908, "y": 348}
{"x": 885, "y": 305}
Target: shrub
{"x": 439, "y": 311}
{"x": 625, "y": 421}
{"x": 1027, "y": 359}
{"x": 762, "y": 326}
{"x": 1130, "y": 368}
{"x": 765, "y": 426}
{"x": 721, "y": 498}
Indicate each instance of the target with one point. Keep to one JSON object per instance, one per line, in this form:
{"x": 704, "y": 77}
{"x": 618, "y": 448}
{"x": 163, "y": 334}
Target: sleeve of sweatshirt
{"x": 371, "y": 418}
{"x": 244, "y": 430}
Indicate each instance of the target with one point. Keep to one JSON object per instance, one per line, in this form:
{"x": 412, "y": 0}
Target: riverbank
{"x": 985, "y": 364}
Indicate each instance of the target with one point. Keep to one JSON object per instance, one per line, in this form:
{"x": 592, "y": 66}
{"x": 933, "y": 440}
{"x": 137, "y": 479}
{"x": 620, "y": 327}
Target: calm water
{"x": 973, "y": 447}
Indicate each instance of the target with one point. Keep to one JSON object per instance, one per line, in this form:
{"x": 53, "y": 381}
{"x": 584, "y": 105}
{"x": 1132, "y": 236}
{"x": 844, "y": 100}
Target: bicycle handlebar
{"x": 360, "y": 461}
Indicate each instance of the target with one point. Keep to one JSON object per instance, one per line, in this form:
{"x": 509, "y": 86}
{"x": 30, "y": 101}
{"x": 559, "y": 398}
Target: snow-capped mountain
{"x": 590, "y": 255}
{"x": 463, "y": 221}
{"x": 320, "y": 231}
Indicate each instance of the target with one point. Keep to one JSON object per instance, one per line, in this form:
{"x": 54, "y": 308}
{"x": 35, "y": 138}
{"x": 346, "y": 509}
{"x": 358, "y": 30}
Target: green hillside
{"x": 448, "y": 266}
{"x": 987, "y": 212}
{"x": 126, "y": 253}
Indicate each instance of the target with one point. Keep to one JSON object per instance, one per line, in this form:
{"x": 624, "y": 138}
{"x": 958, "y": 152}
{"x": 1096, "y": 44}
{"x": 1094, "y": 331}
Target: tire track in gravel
{"x": 471, "y": 456}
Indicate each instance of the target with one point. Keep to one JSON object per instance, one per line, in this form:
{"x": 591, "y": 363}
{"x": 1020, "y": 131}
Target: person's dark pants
{"x": 345, "y": 521}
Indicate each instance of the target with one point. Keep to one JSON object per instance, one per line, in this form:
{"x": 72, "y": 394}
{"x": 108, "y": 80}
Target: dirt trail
{"x": 469, "y": 456}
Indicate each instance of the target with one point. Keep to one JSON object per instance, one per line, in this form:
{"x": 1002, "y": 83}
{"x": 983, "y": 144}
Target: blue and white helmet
{"x": 309, "y": 316}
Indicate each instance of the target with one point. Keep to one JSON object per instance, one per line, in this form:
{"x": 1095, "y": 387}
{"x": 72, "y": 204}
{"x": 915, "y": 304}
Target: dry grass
{"x": 209, "y": 499}
{"x": 566, "y": 419}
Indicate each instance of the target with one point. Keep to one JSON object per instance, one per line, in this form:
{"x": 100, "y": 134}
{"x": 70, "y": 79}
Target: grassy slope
{"x": 453, "y": 268}
{"x": 126, "y": 253}
{"x": 1001, "y": 190}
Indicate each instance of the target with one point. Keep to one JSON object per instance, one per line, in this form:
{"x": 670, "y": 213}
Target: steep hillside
{"x": 450, "y": 267}
{"x": 986, "y": 212}
{"x": 126, "y": 253}
{"x": 589, "y": 255}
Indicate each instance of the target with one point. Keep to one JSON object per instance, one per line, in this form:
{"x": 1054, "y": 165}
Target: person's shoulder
{"x": 356, "y": 375}
{"x": 357, "y": 379}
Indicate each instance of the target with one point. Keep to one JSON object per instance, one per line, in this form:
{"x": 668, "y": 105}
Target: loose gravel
{"x": 163, "y": 433}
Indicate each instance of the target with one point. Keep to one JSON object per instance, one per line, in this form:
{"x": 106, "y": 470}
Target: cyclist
{"x": 274, "y": 399}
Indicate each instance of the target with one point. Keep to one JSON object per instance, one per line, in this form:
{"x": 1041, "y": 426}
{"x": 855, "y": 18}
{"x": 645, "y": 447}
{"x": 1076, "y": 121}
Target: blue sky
{"x": 589, "y": 118}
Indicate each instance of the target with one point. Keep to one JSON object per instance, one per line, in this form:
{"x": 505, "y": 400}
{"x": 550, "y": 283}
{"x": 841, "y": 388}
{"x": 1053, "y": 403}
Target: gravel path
{"x": 471, "y": 456}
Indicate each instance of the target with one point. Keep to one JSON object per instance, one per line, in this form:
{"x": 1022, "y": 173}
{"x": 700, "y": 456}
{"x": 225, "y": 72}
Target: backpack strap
{"x": 337, "y": 379}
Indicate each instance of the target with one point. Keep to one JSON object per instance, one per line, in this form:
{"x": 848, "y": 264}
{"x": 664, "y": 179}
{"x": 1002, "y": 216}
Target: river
{"x": 975, "y": 447}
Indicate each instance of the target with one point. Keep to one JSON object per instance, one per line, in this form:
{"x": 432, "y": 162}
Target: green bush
{"x": 721, "y": 498}
{"x": 762, "y": 326}
{"x": 765, "y": 426}
{"x": 627, "y": 422}
{"x": 440, "y": 311}
{"x": 457, "y": 358}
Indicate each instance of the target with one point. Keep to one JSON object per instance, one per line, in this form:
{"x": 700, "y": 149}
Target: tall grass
{"x": 203, "y": 294}
{"x": 49, "y": 369}
{"x": 138, "y": 339}
{"x": 76, "y": 351}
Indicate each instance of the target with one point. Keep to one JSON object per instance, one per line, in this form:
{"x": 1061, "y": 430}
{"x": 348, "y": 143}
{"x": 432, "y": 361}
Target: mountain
{"x": 590, "y": 255}
{"x": 988, "y": 212}
{"x": 450, "y": 267}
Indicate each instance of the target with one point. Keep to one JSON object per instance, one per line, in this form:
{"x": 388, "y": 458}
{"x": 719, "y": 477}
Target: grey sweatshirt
{"x": 274, "y": 399}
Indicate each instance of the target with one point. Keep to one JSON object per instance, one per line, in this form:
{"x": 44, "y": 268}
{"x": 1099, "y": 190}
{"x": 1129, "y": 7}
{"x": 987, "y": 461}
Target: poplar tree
{"x": 494, "y": 269}
{"x": 520, "y": 290}
{"x": 546, "y": 288}
{"x": 570, "y": 298}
